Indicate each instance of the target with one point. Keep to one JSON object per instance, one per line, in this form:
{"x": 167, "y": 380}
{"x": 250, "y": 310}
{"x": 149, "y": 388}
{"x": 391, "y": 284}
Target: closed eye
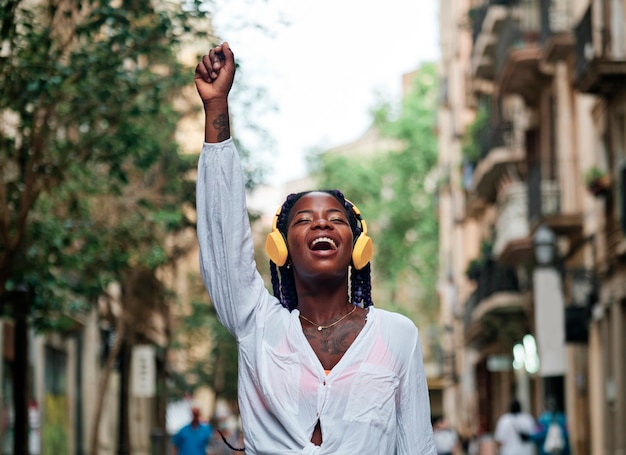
{"x": 302, "y": 220}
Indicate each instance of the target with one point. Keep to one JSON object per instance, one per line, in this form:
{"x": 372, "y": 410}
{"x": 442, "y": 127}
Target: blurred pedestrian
{"x": 193, "y": 438}
{"x": 513, "y": 431}
{"x": 552, "y": 437}
{"x": 446, "y": 438}
{"x": 226, "y": 439}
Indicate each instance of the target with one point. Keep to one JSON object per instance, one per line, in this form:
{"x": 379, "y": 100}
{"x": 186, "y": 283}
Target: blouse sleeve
{"x": 226, "y": 249}
{"x": 415, "y": 431}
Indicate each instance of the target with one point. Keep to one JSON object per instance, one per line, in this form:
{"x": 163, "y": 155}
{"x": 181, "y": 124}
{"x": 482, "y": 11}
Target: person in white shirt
{"x": 446, "y": 438}
{"x": 513, "y": 431}
{"x": 321, "y": 371}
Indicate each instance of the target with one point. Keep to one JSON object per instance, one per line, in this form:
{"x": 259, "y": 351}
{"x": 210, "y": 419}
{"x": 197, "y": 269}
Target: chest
{"x": 331, "y": 344}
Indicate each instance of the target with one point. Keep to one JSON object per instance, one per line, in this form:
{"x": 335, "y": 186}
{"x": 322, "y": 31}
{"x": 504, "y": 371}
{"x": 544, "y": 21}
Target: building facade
{"x": 533, "y": 218}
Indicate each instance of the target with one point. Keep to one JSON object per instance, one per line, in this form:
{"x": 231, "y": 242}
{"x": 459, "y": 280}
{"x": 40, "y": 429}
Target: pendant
{"x": 319, "y": 328}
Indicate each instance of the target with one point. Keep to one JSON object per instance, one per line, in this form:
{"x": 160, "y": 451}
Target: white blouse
{"x": 374, "y": 401}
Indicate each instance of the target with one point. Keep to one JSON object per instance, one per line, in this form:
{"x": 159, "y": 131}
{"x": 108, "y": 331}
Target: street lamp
{"x": 544, "y": 242}
{"x": 525, "y": 355}
{"x": 583, "y": 294}
{"x": 579, "y": 282}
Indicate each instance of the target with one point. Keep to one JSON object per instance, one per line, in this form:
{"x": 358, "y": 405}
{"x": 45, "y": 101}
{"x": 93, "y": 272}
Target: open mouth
{"x": 322, "y": 244}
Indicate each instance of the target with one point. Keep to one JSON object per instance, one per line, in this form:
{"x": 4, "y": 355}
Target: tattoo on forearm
{"x": 221, "y": 125}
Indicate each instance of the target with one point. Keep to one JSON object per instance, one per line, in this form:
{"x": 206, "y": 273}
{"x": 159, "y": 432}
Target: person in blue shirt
{"x": 193, "y": 438}
{"x": 551, "y": 415}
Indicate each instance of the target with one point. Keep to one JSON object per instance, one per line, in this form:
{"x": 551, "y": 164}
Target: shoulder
{"x": 504, "y": 417}
{"x": 182, "y": 430}
{"x": 394, "y": 320}
{"x": 396, "y": 327}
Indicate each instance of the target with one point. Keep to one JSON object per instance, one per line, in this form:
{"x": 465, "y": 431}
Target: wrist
{"x": 215, "y": 104}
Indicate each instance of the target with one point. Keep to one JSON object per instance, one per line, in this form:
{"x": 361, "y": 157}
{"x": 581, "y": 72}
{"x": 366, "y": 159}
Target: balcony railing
{"x": 512, "y": 223}
{"x": 584, "y": 44}
{"x": 493, "y": 136}
{"x": 487, "y": 22}
{"x": 479, "y": 13}
{"x": 544, "y": 205}
{"x": 518, "y": 32}
{"x": 599, "y": 51}
{"x": 492, "y": 278}
{"x": 556, "y": 32}
{"x": 497, "y": 150}
{"x": 543, "y": 196}
{"x": 557, "y": 16}
{"x": 477, "y": 17}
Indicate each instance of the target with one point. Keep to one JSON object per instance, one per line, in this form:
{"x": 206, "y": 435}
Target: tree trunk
{"x": 20, "y": 372}
{"x": 104, "y": 382}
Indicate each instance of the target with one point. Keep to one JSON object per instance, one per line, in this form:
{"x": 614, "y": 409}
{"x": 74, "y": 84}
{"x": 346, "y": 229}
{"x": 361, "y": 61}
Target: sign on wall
{"x": 143, "y": 369}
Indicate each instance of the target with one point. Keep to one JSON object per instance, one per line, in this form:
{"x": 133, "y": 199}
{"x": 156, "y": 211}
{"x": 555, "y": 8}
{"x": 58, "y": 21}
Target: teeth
{"x": 324, "y": 239}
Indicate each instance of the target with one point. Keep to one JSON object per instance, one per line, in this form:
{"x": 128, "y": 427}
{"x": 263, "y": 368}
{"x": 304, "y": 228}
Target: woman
{"x": 513, "y": 431}
{"x": 320, "y": 370}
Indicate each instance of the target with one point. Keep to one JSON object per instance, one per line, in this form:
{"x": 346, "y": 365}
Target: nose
{"x": 322, "y": 223}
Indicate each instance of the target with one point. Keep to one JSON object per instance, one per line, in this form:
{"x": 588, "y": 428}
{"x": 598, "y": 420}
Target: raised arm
{"x": 214, "y": 78}
{"x": 226, "y": 249}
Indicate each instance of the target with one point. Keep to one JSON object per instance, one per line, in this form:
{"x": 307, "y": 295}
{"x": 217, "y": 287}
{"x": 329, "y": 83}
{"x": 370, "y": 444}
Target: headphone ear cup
{"x": 362, "y": 251}
{"x": 276, "y": 248}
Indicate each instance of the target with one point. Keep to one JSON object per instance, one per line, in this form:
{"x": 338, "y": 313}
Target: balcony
{"x": 498, "y": 150}
{"x": 616, "y": 231}
{"x": 556, "y": 35}
{"x": 544, "y": 206}
{"x": 512, "y": 244}
{"x": 517, "y": 62}
{"x": 600, "y": 62}
{"x": 497, "y": 308}
{"x": 487, "y": 21}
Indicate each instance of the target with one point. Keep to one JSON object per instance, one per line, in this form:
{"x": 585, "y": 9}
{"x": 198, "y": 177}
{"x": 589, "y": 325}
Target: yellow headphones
{"x": 362, "y": 250}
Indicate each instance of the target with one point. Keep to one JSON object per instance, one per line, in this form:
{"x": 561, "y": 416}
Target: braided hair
{"x": 283, "y": 283}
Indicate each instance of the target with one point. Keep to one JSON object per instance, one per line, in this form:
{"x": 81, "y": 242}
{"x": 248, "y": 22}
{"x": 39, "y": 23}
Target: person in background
{"x": 193, "y": 438}
{"x": 557, "y": 443}
{"x": 513, "y": 431}
{"x": 226, "y": 436}
{"x": 321, "y": 371}
{"x": 446, "y": 438}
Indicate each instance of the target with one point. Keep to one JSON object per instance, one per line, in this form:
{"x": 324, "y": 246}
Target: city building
{"x": 531, "y": 137}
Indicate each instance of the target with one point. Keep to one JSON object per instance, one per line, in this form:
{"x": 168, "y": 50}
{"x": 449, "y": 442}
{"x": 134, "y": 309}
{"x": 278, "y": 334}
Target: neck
{"x": 322, "y": 310}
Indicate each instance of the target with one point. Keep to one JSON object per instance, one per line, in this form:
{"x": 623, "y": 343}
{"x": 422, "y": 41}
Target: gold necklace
{"x": 322, "y": 327}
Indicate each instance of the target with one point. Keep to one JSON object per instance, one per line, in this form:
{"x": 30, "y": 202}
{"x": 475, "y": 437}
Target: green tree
{"x": 91, "y": 181}
{"x": 393, "y": 193}
{"x": 86, "y": 95}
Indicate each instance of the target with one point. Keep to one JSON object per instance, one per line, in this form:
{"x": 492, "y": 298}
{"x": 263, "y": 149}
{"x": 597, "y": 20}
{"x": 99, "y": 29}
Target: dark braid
{"x": 283, "y": 283}
{"x": 361, "y": 286}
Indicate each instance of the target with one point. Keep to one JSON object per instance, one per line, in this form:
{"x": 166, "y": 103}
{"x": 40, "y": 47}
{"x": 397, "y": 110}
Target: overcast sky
{"x": 327, "y": 66}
